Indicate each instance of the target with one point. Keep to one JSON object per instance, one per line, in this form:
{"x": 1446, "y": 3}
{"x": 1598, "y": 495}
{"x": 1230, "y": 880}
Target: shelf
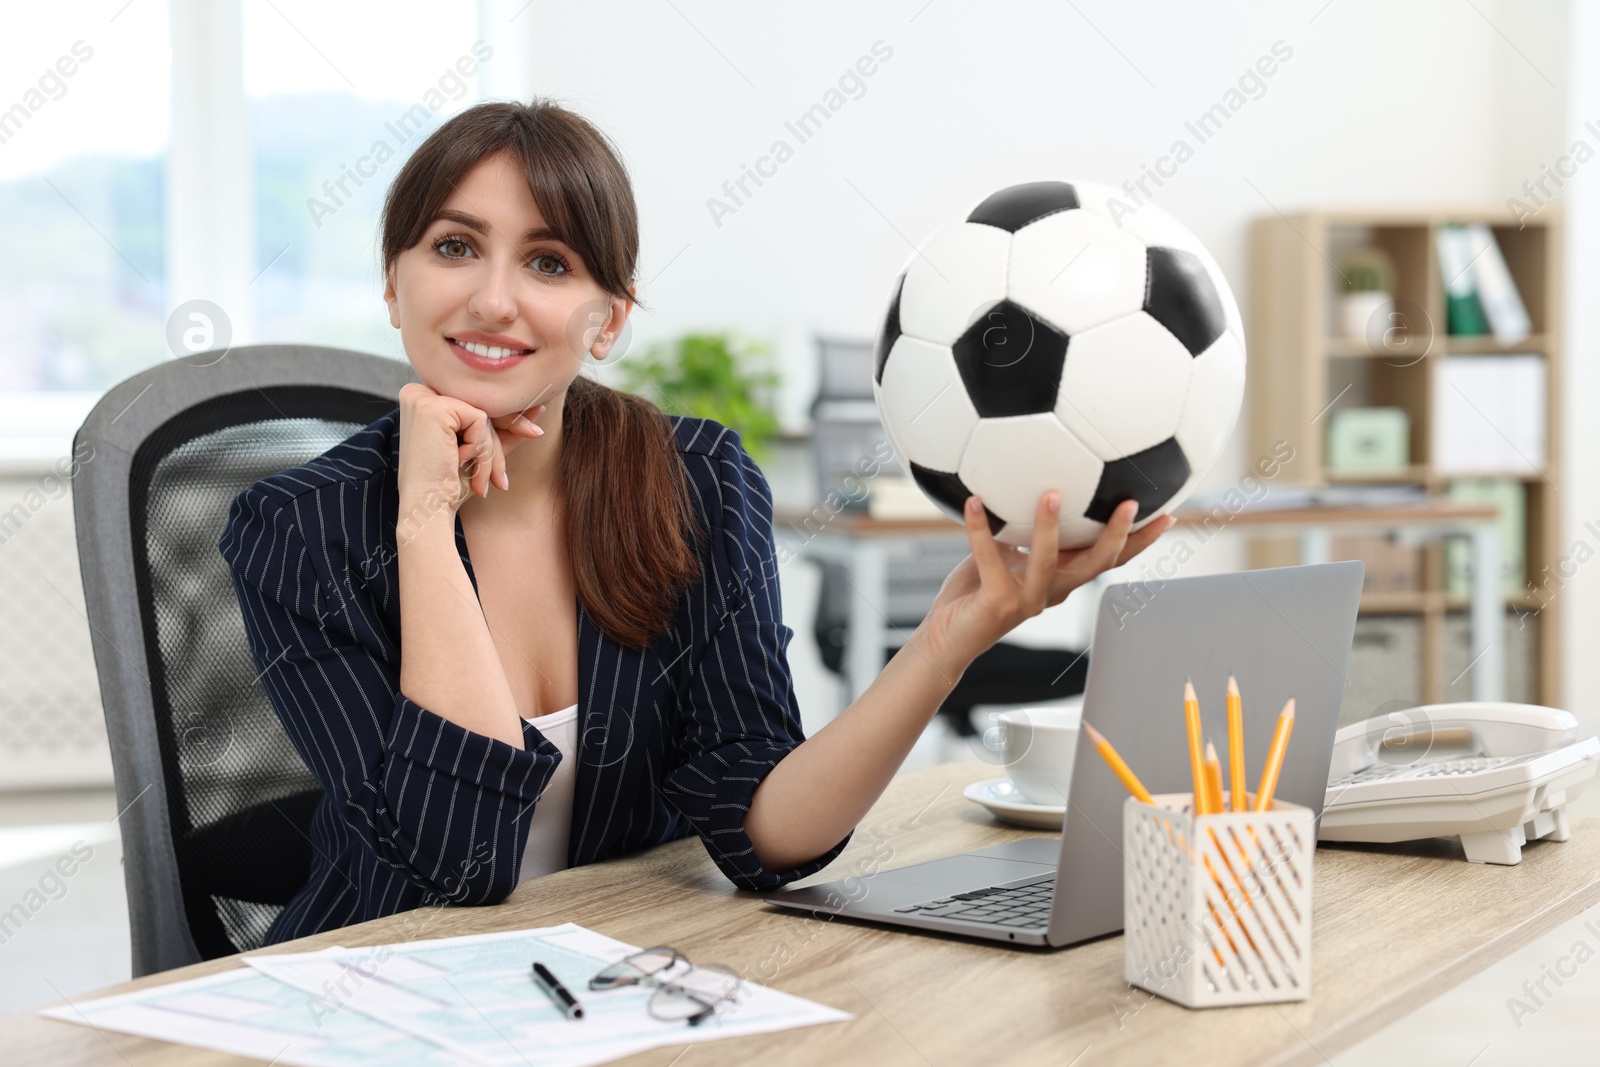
{"x": 1519, "y": 602}
{"x": 1302, "y": 368}
{"x": 1422, "y": 473}
{"x": 1416, "y": 602}
{"x": 1358, "y": 348}
{"x": 1487, "y": 345}
{"x": 1466, "y": 476}
{"x": 1417, "y": 472}
{"x": 1432, "y": 215}
{"x": 1412, "y": 603}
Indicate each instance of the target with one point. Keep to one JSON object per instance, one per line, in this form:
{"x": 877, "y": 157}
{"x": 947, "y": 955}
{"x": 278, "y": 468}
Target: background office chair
{"x": 215, "y": 802}
{"x": 846, "y": 430}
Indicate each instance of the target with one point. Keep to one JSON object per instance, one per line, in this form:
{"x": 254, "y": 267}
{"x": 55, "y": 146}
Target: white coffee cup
{"x": 1039, "y": 746}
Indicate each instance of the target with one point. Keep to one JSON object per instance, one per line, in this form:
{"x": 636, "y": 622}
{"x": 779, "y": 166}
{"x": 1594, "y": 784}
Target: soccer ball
{"x": 1040, "y": 344}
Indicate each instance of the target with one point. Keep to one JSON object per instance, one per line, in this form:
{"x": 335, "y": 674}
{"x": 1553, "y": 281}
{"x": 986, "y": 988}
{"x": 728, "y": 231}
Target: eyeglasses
{"x": 692, "y": 994}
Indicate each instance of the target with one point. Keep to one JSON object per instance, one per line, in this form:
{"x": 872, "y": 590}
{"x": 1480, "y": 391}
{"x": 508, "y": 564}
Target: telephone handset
{"x": 1387, "y": 782}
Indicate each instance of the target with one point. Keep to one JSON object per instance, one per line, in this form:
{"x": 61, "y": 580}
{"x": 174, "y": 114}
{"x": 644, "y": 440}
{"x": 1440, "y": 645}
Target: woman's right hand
{"x": 450, "y": 450}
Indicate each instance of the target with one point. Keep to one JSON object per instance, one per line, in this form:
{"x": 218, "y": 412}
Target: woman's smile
{"x": 486, "y": 357}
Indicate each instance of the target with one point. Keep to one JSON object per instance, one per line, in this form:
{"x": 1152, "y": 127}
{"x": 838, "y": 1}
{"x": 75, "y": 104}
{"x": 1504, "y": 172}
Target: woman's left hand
{"x": 999, "y": 585}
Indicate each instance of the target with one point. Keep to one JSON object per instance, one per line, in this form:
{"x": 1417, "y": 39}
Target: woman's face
{"x": 485, "y": 274}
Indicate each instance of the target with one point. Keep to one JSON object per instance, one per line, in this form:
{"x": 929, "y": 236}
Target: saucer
{"x": 1006, "y": 803}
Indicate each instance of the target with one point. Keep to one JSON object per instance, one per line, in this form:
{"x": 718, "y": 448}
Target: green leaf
{"x": 711, "y": 376}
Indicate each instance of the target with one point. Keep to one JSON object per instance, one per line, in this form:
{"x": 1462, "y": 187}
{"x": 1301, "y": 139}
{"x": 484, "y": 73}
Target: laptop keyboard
{"x": 1008, "y": 905}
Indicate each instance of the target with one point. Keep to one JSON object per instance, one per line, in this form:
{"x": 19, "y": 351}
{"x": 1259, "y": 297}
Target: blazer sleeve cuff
{"x": 439, "y": 746}
{"x": 714, "y": 792}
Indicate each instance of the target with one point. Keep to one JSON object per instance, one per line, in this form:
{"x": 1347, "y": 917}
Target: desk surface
{"x": 1422, "y": 512}
{"x": 1393, "y": 926}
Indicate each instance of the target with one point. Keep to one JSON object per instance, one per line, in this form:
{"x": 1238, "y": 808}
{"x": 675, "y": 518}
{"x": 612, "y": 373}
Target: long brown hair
{"x": 629, "y": 518}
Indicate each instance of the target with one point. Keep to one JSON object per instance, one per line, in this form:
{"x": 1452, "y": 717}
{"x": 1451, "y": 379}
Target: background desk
{"x": 1393, "y": 926}
{"x": 863, "y": 544}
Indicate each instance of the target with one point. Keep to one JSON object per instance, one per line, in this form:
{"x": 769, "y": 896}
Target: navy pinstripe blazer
{"x": 417, "y": 809}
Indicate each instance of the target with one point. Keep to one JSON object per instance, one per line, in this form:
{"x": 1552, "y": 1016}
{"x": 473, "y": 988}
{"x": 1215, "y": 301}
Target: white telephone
{"x": 1528, "y": 764}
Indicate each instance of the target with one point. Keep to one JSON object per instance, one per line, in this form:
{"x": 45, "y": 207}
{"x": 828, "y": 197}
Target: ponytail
{"x": 629, "y": 514}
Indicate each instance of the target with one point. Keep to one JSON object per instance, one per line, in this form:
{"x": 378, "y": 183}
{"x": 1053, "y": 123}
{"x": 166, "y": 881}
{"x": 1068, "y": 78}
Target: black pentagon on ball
{"x": 949, "y": 490}
{"x": 1013, "y": 208}
{"x": 891, "y": 329}
{"x": 1178, "y": 294}
{"x": 1010, "y": 361}
{"x": 1150, "y": 477}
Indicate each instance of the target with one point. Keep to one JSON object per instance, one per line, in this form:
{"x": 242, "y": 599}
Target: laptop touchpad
{"x": 955, "y": 874}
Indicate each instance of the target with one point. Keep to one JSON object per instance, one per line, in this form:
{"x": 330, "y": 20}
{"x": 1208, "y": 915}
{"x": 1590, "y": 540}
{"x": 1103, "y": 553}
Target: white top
{"x": 546, "y": 850}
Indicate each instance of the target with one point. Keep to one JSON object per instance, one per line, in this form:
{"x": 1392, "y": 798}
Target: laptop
{"x": 1283, "y": 632}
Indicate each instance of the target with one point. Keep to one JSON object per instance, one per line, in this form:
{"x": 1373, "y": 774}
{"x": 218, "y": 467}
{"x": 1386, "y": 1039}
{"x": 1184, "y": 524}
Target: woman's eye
{"x": 548, "y": 258}
{"x": 444, "y": 247}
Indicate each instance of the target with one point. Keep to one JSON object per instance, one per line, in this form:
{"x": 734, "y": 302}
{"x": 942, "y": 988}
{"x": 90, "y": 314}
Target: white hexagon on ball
{"x": 1076, "y": 270}
{"x": 1072, "y": 533}
{"x": 1216, "y": 392}
{"x": 1156, "y": 229}
{"x": 923, "y": 398}
{"x": 1123, "y": 386}
{"x": 1010, "y": 463}
{"x": 956, "y": 275}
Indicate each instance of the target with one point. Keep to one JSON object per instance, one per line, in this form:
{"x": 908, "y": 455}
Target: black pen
{"x": 557, "y": 992}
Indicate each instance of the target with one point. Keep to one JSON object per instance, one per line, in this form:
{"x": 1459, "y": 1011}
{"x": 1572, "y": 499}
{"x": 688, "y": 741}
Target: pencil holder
{"x": 1217, "y": 908}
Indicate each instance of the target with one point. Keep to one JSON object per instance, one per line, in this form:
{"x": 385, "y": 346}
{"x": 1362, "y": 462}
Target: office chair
{"x": 846, "y": 429}
{"x": 214, "y": 801}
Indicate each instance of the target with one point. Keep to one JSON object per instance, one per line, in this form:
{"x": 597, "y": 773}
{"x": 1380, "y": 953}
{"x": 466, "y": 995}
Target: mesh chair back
{"x": 216, "y": 802}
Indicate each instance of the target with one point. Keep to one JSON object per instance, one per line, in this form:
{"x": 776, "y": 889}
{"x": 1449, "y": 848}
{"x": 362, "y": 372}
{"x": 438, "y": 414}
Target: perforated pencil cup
{"x": 1217, "y": 908}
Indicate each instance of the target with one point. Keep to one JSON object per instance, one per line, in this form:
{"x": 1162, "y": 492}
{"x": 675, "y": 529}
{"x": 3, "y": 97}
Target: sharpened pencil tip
{"x": 1188, "y": 690}
{"x": 1288, "y": 709}
{"x": 1095, "y": 736}
{"x": 1233, "y": 686}
{"x": 1211, "y": 751}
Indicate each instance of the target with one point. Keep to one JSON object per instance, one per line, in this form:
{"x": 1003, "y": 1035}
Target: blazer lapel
{"x": 590, "y": 718}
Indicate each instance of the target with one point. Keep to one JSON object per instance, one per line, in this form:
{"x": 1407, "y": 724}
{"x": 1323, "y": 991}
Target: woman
{"x": 594, "y": 652}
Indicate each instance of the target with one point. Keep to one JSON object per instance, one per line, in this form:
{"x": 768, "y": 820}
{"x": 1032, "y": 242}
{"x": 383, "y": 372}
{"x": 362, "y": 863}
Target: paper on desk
{"x": 246, "y": 1013}
{"x": 475, "y": 997}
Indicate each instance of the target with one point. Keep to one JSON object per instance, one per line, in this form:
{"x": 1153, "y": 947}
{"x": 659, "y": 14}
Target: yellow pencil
{"x": 1236, "y": 745}
{"x": 1191, "y": 715}
{"x": 1213, "y": 779}
{"x": 1131, "y": 782}
{"x": 1118, "y": 766}
{"x": 1280, "y": 743}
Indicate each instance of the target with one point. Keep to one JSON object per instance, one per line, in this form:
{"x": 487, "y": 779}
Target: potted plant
{"x": 1367, "y": 292}
{"x": 711, "y": 376}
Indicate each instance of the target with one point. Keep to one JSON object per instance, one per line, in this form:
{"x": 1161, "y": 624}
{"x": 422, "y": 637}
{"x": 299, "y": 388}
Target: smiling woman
{"x": 594, "y": 661}
{"x": 500, "y": 235}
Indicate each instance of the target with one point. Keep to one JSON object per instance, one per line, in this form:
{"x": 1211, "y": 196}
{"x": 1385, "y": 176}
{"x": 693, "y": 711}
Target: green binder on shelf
{"x": 1463, "y": 309}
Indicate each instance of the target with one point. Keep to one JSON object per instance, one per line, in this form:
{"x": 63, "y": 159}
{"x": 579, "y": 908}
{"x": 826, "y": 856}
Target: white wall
{"x": 1413, "y": 103}
{"x": 1381, "y": 103}
{"x": 1580, "y": 198}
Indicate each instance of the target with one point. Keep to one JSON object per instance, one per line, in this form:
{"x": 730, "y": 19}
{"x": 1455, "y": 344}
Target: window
{"x": 84, "y": 122}
{"x": 339, "y": 96}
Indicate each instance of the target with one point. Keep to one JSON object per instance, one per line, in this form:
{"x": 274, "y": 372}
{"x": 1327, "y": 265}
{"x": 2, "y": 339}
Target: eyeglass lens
{"x": 694, "y": 996}
{"x": 635, "y": 968}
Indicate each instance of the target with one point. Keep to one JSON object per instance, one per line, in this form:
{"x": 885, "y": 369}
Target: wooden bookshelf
{"x": 1301, "y": 370}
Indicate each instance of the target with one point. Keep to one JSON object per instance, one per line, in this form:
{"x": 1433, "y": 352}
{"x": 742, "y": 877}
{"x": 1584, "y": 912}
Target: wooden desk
{"x": 1426, "y": 512}
{"x": 863, "y": 544}
{"x": 1393, "y": 926}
